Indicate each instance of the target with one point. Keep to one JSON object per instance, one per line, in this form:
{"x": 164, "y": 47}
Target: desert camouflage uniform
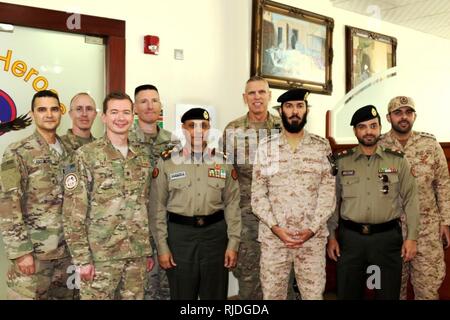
{"x": 73, "y": 142}
{"x": 156, "y": 284}
{"x": 294, "y": 190}
{"x": 247, "y": 269}
{"x": 427, "y": 159}
{"x": 31, "y": 219}
{"x": 106, "y": 218}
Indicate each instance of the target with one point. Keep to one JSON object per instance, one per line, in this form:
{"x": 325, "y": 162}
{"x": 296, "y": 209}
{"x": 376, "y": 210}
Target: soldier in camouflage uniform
{"x": 153, "y": 140}
{"x": 106, "y": 209}
{"x": 293, "y": 195}
{"x": 30, "y": 212}
{"x": 83, "y": 113}
{"x": 427, "y": 159}
{"x": 241, "y": 137}
{"x": 195, "y": 214}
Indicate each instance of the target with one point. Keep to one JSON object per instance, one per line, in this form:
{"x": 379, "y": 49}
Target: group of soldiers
{"x": 137, "y": 214}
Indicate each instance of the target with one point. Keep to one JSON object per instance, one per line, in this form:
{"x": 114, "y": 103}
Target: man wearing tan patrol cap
{"x": 374, "y": 186}
{"x": 429, "y": 166}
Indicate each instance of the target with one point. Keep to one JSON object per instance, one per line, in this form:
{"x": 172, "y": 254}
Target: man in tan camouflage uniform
{"x": 106, "y": 209}
{"x": 427, "y": 159}
{"x": 293, "y": 195}
{"x": 153, "y": 140}
{"x": 195, "y": 215}
{"x": 241, "y": 137}
{"x": 83, "y": 113}
{"x": 31, "y": 202}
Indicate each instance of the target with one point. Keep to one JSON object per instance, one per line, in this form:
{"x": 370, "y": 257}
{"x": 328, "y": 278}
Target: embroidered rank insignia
{"x": 347, "y": 173}
{"x": 155, "y": 173}
{"x": 387, "y": 170}
{"x": 71, "y": 181}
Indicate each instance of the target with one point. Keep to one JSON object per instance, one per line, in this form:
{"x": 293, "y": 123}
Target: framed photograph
{"x": 367, "y": 53}
{"x": 291, "y": 47}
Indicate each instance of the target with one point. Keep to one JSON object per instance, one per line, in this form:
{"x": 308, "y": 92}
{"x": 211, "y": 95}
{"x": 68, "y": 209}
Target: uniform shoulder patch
{"x": 427, "y": 135}
{"x": 71, "y": 181}
{"x": 155, "y": 173}
{"x": 234, "y": 174}
{"x": 395, "y": 152}
{"x": 343, "y": 154}
{"x": 319, "y": 138}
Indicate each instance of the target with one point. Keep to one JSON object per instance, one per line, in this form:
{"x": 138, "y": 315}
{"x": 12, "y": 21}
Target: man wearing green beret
{"x": 374, "y": 186}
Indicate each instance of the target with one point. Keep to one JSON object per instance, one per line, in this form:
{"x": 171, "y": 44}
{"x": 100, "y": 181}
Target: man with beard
{"x": 293, "y": 194}
{"x": 374, "y": 185}
{"x": 425, "y": 154}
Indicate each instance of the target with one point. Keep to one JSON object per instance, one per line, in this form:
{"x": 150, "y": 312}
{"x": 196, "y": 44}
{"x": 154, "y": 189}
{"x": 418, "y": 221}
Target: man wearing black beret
{"x": 374, "y": 186}
{"x": 195, "y": 214}
{"x": 293, "y": 194}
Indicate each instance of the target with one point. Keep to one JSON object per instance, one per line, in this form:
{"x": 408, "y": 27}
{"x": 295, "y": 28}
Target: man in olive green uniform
{"x": 83, "y": 113}
{"x": 30, "y": 211}
{"x": 425, "y": 154}
{"x": 241, "y": 137}
{"x": 152, "y": 140}
{"x": 374, "y": 186}
{"x": 106, "y": 209}
{"x": 195, "y": 215}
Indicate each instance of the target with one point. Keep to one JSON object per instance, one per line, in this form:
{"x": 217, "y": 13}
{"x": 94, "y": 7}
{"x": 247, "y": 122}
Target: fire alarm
{"x": 151, "y": 45}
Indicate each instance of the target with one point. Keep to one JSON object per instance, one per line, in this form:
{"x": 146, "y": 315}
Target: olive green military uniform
{"x": 195, "y": 216}
{"x": 106, "y": 218}
{"x": 240, "y": 143}
{"x": 372, "y": 193}
{"x": 156, "y": 285}
{"x": 31, "y": 218}
{"x": 73, "y": 142}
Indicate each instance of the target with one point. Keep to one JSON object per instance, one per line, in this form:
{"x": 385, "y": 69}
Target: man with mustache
{"x": 293, "y": 195}
{"x": 425, "y": 154}
{"x": 374, "y": 186}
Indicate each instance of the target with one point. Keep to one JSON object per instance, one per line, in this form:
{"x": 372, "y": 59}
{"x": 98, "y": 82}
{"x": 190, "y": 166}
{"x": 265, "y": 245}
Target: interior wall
{"x": 216, "y": 35}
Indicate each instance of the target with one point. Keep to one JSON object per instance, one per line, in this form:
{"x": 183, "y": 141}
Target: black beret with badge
{"x": 294, "y": 95}
{"x": 365, "y": 113}
{"x": 195, "y": 114}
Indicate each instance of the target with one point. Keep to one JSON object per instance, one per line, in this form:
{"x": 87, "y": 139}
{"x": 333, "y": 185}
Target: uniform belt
{"x": 196, "y": 221}
{"x": 367, "y": 229}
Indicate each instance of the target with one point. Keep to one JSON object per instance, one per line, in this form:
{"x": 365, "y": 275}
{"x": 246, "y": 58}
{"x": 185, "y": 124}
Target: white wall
{"x": 215, "y": 36}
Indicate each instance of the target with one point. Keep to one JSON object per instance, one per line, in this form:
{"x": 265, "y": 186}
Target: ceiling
{"x": 429, "y": 16}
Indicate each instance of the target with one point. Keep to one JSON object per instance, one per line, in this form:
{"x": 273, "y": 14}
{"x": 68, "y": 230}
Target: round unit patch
{"x": 71, "y": 181}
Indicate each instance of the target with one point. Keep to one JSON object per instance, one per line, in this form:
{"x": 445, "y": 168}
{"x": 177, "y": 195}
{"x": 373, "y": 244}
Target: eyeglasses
{"x": 385, "y": 180}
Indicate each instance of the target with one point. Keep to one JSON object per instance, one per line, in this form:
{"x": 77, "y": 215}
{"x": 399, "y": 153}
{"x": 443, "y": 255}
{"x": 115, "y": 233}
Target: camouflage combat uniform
{"x": 156, "y": 284}
{"x": 106, "y": 218}
{"x": 294, "y": 190}
{"x": 247, "y": 269}
{"x": 427, "y": 159}
{"x": 73, "y": 142}
{"x": 31, "y": 218}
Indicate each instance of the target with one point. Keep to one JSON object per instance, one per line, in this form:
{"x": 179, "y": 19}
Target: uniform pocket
{"x": 349, "y": 187}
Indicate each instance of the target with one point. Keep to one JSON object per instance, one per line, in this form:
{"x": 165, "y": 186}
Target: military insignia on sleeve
{"x": 155, "y": 173}
{"x": 234, "y": 174}
{"x": 71, "y": 181}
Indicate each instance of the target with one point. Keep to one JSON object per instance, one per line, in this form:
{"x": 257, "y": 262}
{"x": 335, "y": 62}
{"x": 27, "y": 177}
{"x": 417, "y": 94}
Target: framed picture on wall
{"x": 291, "y": 47}
{"x": 367, "y": 53}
